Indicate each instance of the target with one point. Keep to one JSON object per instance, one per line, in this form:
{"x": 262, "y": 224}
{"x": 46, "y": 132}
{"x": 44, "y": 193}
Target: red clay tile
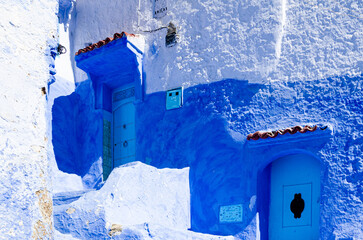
{"x": 272, "y": 134}
{"x": 117, "y": 35}
{"x": 104, "y": 42}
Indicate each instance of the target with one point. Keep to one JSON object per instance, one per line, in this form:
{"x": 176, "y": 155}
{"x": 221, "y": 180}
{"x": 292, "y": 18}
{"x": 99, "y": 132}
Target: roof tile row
{"x": 272, "y": 134}
{"x": 104, "y": 42}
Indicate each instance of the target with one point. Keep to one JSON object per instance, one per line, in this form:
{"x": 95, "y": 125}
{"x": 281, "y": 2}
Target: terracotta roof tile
{"x": 272, "y": 134}
{"x": 104, "y": 42}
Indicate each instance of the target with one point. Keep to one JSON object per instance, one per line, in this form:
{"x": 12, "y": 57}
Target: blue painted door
{"x": 123, "y": 127}
{"x": 294, "y": 198}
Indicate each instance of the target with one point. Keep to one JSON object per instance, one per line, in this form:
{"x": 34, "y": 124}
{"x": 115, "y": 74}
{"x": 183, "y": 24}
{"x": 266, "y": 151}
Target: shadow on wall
{"x": 179, "y": 130}
{"x": 64, "y": 133}
{"x": 199, "y": 135}
{"x": 77, "y": 136}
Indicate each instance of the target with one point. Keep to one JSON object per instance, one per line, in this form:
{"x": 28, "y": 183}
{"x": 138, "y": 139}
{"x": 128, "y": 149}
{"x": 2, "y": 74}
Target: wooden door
{"x": 123, "y": 127}
{"x": 294, "y": 198}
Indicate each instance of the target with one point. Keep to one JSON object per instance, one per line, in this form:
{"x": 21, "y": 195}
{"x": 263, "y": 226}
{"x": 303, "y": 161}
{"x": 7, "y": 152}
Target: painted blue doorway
{"x": 124, "y": 138}
{"x": 294, "y": 198}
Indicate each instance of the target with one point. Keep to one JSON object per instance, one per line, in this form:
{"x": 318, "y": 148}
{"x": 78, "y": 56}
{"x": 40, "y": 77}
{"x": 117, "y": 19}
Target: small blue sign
{"x": 174, "y": 98}
{"x": 231, "y": 213}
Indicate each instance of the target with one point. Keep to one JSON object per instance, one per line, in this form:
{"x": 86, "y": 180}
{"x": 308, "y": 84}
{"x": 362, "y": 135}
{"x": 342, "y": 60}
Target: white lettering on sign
{"x": 231, "y": 213}
{"x": 160, "y": 8}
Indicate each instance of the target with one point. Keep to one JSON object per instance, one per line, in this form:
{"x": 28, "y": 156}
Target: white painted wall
{"x": 258, "y": 41}
{"x": 25, "y": 200}
{"x": 63, "y": 86}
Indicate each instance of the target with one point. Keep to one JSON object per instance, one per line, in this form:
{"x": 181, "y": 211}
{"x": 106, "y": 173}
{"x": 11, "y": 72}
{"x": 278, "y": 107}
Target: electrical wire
{"x": 154, "y": 30}
{"x": 138, "y": 22}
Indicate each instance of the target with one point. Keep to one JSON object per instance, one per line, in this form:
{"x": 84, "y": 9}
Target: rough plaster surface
{"x": 134, "y": 194}
{"x": 255, "y": 40}
{"x": 25, "y": 200}
{"x": 77, "y": 136}
{"x": 260, "y": 65}
{"x": 61, "y": 181}
{"x": 208, "y": 134}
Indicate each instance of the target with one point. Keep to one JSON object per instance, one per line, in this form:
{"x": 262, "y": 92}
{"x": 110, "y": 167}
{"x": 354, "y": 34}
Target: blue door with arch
{"x": 294, "y": 198}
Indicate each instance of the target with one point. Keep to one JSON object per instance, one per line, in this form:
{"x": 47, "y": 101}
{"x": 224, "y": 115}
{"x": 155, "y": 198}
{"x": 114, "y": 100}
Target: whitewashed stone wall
{"x": 26, "y": 28}
{"x": 306, "y": 58}
{"x": 259, "y": 41}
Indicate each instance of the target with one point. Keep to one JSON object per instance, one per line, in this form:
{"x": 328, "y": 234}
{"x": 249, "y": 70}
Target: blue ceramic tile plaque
{"x": 231, "y": 213}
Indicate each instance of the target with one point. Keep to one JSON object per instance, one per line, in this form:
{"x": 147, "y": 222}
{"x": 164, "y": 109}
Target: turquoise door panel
{"x": 294, "y": 198}
{"x": 123, "y": 131}
{"x": 289, "y": 218}
{"x": 125, "y": 149}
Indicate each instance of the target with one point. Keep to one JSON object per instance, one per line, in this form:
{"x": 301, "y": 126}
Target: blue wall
{"x": 77, "y": 135}
{"x": 198, "y": 135}
{"x": 64, "y": 133}
{"x": 209, "y": 134}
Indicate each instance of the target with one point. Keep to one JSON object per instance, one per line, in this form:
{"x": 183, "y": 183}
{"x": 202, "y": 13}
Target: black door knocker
{"x": 297, "y": 205}
{"x": 125, "y": 144}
